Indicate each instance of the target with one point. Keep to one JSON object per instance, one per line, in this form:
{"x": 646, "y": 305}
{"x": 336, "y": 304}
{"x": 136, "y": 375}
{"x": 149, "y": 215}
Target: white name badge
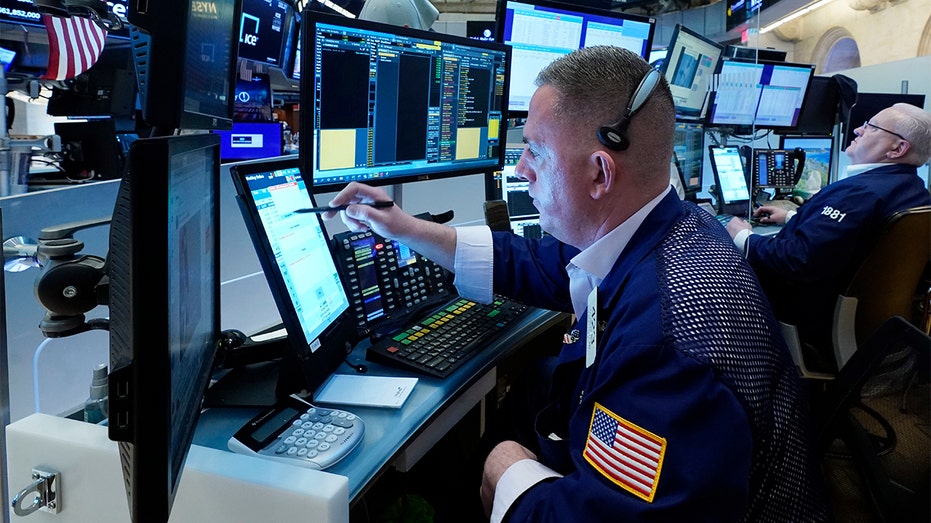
{"x": 591, "y": 328}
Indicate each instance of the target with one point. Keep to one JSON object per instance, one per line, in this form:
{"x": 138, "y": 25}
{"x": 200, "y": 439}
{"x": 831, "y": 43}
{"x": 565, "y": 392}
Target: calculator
{"x": 297, "y": 432}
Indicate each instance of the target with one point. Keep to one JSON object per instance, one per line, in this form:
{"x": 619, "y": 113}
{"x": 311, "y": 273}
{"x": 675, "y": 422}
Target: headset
{"x": 615, "y": 136}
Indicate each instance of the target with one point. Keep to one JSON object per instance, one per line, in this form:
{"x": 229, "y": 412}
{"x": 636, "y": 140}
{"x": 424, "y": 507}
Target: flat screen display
{"x": 263, "y": 28}
{"x": 730, "y": 180}
{"x": 251, "y": 140}
{"x": 253, "y": 101}
{"x": 691, "y": 60}
{"x": 689, "y": 150}
{"x": 766, "y": 95}
{"x": 540, "y": 31}
{"x": 387, "y": 104}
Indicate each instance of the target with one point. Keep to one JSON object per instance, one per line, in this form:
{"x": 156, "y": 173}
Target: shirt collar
{"x": 853, "y": 170}
{"x": 598, "y": 258}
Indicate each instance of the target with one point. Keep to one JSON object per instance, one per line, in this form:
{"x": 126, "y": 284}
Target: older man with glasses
{"x": 805, "y": 265}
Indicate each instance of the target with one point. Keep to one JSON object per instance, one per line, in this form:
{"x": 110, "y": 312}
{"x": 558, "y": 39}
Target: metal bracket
{"x": 46, "y": 492}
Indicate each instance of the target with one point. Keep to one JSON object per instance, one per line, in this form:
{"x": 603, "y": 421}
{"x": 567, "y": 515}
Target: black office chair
{"x": 883, "y": 286}
{"x": 834, "y": 417}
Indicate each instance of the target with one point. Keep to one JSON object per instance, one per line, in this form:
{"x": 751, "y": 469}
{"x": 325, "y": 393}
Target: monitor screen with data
{"x": 766, "y": 95}
{"x": 540, "y": 31}
{"x": 691, "y": 60}
{"x": 384, "y": 104}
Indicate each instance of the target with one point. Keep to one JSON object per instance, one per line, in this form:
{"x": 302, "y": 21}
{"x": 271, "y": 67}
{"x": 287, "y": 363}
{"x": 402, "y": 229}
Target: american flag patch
{"x": 626, "y": 454}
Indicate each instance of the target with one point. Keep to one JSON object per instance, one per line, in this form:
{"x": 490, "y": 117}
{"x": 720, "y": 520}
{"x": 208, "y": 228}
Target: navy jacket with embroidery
{"x": 688, "y": 353}
{"x": 808, "y": 263}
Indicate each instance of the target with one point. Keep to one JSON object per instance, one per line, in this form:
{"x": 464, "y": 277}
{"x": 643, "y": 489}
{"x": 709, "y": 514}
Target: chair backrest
{"x": 886, "y": 281}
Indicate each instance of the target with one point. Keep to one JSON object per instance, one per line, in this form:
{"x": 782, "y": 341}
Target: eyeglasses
{"x": 867, "y": 124}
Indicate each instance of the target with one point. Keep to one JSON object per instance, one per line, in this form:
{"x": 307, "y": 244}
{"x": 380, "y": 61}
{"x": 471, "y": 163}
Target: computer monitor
{"x": 253, "y": 101}
{"x": 263, "y": 30}
{"x": 688, "y": 154}
{"x": 251, "y": 140}
{"x": 295, "y": 255}
{"x": 819, "y": 155}
{"x": 514, "y": 190}
{"x": 819, "y": 113}
{"x": 388, "y": 104}
{"x": 691, "y": 60}
{"x": 539, "y": 31}
{"x": 90, "y": 150}
{"x": 185, "y": 59}
{"x": 730, "y": 180}
{"x": 868, "y": 104}
{"x": 765, "y": 95}
{"x": 108, "y": 88}
{"x": 163, "y": 268}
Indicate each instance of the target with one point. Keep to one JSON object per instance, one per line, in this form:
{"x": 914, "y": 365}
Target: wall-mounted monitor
{"x": 539, "y": 31}
{"x": 766, "y": 95}
{"x": 387, "y": 104}
{"x": 691, "y": 60}
{"x": 251, "y": 140}
{"x": 263, "y": 29}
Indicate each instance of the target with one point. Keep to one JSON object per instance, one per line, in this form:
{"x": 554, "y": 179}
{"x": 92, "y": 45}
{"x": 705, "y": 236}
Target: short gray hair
{"x": 914, "y": 123}
{"x": 595, "y": 85}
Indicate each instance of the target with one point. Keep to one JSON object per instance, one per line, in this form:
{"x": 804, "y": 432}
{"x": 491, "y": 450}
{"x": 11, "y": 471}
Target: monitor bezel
{"x": 309, "y": 21}
{"x": 583, "y": 10}
{"x": 303, "y": 370}
{"x": 709, "y": 119}
{"x": 140, "y": 383}
{"x": 678, "y": 30}
{"x": 161, "y": 59}
{"x": 736, "y": 207}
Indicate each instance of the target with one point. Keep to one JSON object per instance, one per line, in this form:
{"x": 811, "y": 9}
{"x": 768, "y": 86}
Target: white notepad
{"x": 365, "y": 391}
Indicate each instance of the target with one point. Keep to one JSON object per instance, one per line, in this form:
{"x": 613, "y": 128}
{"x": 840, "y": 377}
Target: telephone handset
{"x": 387, "y": 281}
{"x": 778, "y": 169}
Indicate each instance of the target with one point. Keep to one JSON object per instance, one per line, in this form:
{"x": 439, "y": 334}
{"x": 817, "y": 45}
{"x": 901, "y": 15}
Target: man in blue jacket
{"x": 808, "y": 263}
{"x": 674, "y": 398}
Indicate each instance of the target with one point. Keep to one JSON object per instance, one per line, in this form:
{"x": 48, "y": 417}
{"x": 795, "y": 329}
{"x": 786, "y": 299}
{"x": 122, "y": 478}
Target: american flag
{"x": 74, "y": 45}
{"x": 626, "y": 454}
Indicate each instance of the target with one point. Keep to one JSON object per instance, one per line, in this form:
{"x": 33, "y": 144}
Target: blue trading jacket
{"x": 691, "y": 380}
{"x": 807, "y": 264}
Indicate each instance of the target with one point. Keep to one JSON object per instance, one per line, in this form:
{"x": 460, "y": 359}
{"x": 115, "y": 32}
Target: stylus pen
{"x": 377, "y": 205}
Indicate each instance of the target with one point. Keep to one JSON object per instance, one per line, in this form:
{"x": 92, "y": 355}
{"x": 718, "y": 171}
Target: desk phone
{"x": 386, "y": 281}
{"x": 299, "y": 433}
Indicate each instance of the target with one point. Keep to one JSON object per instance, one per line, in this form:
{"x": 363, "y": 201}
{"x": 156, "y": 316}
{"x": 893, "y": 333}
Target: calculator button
{"x": 320, "y": 435}
{"x": 307, "y": 425}
{"x": 298, "y": 432}
{"x": 346, "y": 423}
{"x": 301, "y": 442}
{"x": 339, "y": 431}
{"x": 350, "y": 416}
{"x": 331, "y": 438}
{"x": 342, "y": 414}
{"x": 302, "y": 452}
{"x": 281, "y": 449}
{"x": 318, "y": 426}
{"x": 296, "y": 422}
{"x": 312, "y": 453}
{"x": 311, "y": 443}
{"x": 289, "y": 440}
{"x": 328, "y": 428}
{"x": 292, "y": 451}
{"x": 323, "y": 446}
{"x": 310, "y": 412}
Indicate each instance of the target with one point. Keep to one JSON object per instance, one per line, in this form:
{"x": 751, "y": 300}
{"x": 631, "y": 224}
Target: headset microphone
{"x": 615, "y": 136}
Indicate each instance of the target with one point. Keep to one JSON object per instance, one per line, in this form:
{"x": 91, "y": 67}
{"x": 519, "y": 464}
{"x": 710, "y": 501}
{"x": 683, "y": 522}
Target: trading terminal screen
{"x": 689, "y": 149}
{"x": 763, "y": 94}
{"x": 389, "y": 104}
{"x": 690, "y": 62}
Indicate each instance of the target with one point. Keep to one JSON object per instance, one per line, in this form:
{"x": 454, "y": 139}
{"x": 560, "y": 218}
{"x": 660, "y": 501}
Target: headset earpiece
{"x": 615, "y": 136}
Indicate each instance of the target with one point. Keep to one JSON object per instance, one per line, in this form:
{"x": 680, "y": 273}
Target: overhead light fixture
{"x": 300, "y": 4}
{"x": 795, "y": 14}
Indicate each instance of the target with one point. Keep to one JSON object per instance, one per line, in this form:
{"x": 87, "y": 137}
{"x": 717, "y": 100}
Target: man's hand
{"x": 736, "y": 225}
{"x": 499, "y": 459}
{"x": 769, "y": 214}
